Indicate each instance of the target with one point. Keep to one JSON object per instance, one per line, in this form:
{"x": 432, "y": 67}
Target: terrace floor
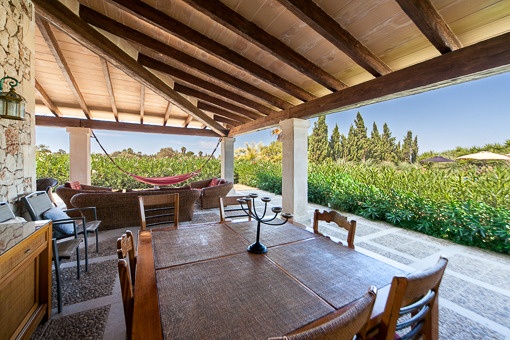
{"x": 474, "y": 296}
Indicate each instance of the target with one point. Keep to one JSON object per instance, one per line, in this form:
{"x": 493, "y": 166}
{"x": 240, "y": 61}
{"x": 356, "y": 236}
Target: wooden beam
{"x": 222, "y": 119}
{"x": 187, "y": 121}
{"x": 431, "y": 24}
{"x": 224, "y": 113}
{"x": 52, "y": 43}
{"x": 326, "y": 26}
{"x": 167, "y": 113}
{"x": 61, "y": 17}
{"x": 140, "y": 39}
{"x": 142, "y": 103}
{"x": 109, "y": 87}
{"x": 205, "y": 97}
{"x": 476, "y": 61}
{"x": 190, "y": 79}
{"x": 116, "y": 126}
{"x": 168, "y": 24}
{"x": 251, "y": 32}
{"x": 47, "y": 100}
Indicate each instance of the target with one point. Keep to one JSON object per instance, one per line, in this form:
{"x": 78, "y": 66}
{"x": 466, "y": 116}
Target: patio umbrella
{"x": 485, "y": 156}
{"x": 437, "y": 159}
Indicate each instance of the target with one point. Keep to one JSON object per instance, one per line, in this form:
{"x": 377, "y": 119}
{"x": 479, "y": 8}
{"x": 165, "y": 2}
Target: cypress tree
{"x": 375, "y": 151}
{"x": 407, "y": 147}
{"x": 318, "y": 144}
{"x": 334, "y": 144}
{"x": 388, "y": 147}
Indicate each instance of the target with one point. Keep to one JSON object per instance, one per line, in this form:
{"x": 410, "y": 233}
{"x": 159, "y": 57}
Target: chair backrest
{"x": 45, "y": 184}
{"x": 36, "y": 204}
{"x": 235, "y": 211}
{"x": 412, "y": 305}
{"x": 159, "y": 209}
{"x": 344, "y": 326}
{"x": 340, "y": 220}
{"x": 126, "y": 250}
{"x": 5, "y": 212}
{"x": 126, "y": 286}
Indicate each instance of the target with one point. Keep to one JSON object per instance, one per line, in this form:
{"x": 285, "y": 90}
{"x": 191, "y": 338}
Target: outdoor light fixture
{"x": 12, "y": 105}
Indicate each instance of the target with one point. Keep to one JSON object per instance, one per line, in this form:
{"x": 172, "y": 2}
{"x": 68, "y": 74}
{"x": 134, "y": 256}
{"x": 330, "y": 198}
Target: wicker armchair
{"x": 66, "y": 193}
{"x": 209, "y": 194}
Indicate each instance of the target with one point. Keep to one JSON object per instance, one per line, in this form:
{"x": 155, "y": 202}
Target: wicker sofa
{"x": 210, "y": 190}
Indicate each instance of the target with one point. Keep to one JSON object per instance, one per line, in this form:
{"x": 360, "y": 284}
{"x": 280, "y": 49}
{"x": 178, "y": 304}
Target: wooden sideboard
{"x": 25, "y": 277}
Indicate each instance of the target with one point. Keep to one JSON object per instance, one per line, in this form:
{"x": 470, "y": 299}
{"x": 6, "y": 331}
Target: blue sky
{"x": 474, "y": 113}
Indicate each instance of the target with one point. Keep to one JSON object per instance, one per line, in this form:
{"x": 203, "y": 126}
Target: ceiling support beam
{"x": 222, "y": 112}
{"x": 51, "y": 40}
{"x": 109, "y": 87}
{"x": 326, "y": 26}
{"x": 142, "y": 103}
{"x": 118, "y": 126}
{"x": 97, "y": 19}
{"x": 47, "y": 100}
{"x": 187, "y": 121}
{"x": 170, "y": 25}
{"x": 472, "y": 62}
{"x": 431, "y": 24}
{"x": 251, "y": 32}
{"x": 167, "y": 113}
{"x": 190, "y": 79}
{"x": 61, "y": 17}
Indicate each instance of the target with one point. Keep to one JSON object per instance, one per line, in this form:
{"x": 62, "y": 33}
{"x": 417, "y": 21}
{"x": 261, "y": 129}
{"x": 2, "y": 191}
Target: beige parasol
{"x": 485, "y": 156}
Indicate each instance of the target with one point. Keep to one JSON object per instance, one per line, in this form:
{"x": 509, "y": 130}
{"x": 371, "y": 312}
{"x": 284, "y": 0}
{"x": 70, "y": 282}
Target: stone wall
{"x": 17, "y": 146}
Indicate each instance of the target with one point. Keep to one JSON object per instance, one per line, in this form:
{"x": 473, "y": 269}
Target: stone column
{"x": 295, "y": 168}
{"x": 79, "y": 154}
{"x": 227, "y": 158}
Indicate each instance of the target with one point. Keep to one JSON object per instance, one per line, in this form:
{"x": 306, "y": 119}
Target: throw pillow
{"x": 59, "y": 230}
{"x": 75, "y": 185}
{"x": 215, "y": 181}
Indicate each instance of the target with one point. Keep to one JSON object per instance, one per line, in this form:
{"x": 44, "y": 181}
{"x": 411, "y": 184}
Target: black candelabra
{"x": 257, "y": 247}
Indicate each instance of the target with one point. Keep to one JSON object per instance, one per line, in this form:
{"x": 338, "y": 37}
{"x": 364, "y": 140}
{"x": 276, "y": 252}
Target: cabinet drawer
{"x": 17, "y": 254}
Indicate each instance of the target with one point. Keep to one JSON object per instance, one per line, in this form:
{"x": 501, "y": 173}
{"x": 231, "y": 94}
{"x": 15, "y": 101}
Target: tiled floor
{"x": 474, "y": 295}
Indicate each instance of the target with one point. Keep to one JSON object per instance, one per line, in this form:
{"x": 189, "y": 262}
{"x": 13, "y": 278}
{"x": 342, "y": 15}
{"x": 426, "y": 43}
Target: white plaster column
{"x": 227, "y": 158}
{"x": 79, "y": 154}
{"x": 295, "y": 168}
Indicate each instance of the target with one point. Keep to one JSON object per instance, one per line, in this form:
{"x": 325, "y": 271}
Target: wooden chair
{"x": 127, "y": 270}
{"x": 412, "y": 306}
{"x": 340, "y": 220}
{"x": 345, "y": 326}
{"x": 227, "y": 214}
{"x": 159, "y": 209}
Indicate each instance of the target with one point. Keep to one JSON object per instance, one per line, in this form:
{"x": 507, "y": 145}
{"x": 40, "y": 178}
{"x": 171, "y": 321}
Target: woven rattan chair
{"x": 412, "y": 306}
{"x": 127, "y": 269}
{"x": 340, "y": 220}
{"x": 235, "y": 210}
{"x": 346, "y": 326}
{"x": 159, "y": 209}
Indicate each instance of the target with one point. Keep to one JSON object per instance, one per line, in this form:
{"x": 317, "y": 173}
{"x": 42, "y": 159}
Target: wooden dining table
{"x": 199, "y": 281}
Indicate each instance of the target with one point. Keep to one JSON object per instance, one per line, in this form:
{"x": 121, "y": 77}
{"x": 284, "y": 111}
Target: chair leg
{"x": 97, "y": 240}
{"x": 78, "y": 263}
{"x": 57, "y": 275}
{"x": 86, "y": 236}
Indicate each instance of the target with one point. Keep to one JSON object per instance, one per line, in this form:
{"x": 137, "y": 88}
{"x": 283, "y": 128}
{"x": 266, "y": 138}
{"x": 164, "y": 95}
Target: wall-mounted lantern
{"x": 12, "y": 105}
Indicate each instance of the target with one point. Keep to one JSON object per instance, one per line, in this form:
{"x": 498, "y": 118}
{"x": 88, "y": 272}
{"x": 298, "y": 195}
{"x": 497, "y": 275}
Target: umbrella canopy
{"x": 437, "y": 159}
{"x": 485, "y": 156}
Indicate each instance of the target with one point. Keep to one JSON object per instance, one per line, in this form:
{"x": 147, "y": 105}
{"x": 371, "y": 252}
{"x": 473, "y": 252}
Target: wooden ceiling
{"x": 209, "y": 68}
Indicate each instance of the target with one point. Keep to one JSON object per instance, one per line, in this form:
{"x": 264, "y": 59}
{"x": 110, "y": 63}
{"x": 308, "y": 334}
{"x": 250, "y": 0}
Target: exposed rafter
{"x": 47, "y": 100}
{"x": 65, "y": 20}
{"x": 326, "y": 26}
{"x": 167, "y": 113}
{"x": 142, "y": 103}
{"x": 187, "y": 121}
{"x": 50, "y": 39}
{"x": 431, "y": 24}
{"x": 109, "y": 87}
{"x": 248, "y": 30}
{"x": 222, "y": 112}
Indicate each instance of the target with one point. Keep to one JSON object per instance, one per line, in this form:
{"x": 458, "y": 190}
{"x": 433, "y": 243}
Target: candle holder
{"x": 257, "y": 247}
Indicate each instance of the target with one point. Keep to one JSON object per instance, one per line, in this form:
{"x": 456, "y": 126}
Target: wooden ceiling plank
{"x": 168, "y": 24}
{"x": 142, "y": 103}
{"x": 251, "y": 32}
{"x": 52, "y": 43}
{"x": 125, "y": 32}
{"x": 108, "y": 81}
{"x": 491, "y": 56}
{"x": 47, "y": 100}
{"x": 119, "y": 126}
{"x": 190, "y": 79}
{"x": 431, "y": 24}
{"x": 227, "y": 114}
{"x": 69, "y": 23}
{"x": 322, "y": 23}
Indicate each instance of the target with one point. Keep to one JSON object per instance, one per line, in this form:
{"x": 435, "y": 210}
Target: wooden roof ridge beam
{"x": 251, "y": 32}
{"x": 431, "y": 24}
{"x": 222, "y": 112}
{"x": 142, "y": 102}
{"x": 60, "y": 16}
{"x": 172, "y": 26}
{"x": 191, "y": 79}
{"x": 116, "y": 28}
{"x": 205, "y": 97}
{"x": 47, "y": 100}
{"x": 120, "y": 126}
{"x": 491, "y": 56}
{"x": 52, "y": 42}
{"x": 322, "y": 23}
{"x": 109, "y": 87}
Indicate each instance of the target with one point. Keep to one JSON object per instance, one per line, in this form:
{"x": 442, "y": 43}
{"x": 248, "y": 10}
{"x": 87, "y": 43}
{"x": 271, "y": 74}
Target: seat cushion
{"x": 59, "y": 230}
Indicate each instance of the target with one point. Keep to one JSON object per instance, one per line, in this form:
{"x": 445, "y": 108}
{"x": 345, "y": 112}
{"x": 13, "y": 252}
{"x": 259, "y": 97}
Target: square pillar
{"x": 79, "y": 154}
{"x": 227, "y": 158}
{"x": 295, "y": 168}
